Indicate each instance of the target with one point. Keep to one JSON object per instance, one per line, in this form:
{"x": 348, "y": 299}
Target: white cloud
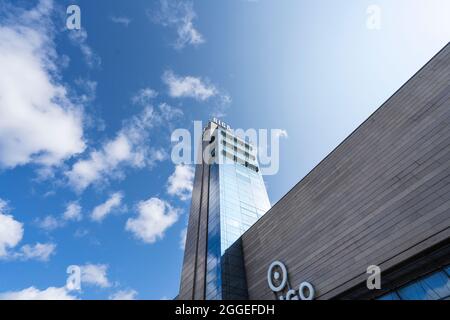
{"x": 91, "y": 274}
{"x": 130, "y": 148}
{"x": 180, "y": 182}
{"x": 80, "y": 233}
{"x": 32, "y": 293}
{"x": 38, "y": 122}
{"x": 180, "y": 14}
{"x": 115, "y": 152}
{"x": 155, "y": 216}
{"x": 11, "y": 231}
{"x": 125, "y": 21}
{"x": 188, "y": 87}
{"x": 183, "y": 236}
{"x": 50, "y": 223}
{"x": 144, "y": 96}
{"x": 157, "y": 155}
{"x": 73, "y": 212}
{"x": 79, "y": 38}
{"x": 124, "y": 295}
{"x": 168, "y": 112}
{"x": 100, "y": 212}
{"x": 95, "y": 274}
{"x": 221, "y": 104}
{"x": 3, "y": 205}
{"x": 88, "y": 90}
{"x": 39, "y": 252}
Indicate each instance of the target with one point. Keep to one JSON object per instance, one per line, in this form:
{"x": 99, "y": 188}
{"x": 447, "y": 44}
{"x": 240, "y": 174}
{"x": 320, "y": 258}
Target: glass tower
{"x": 232, "y": 198}
{"x": 237, "y": 199}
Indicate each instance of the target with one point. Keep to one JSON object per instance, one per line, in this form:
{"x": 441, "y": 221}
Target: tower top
{"x": 220, "y": 123}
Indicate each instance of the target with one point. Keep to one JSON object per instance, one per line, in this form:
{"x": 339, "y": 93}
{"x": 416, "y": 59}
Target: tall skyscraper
{"x": 228, "y": 197}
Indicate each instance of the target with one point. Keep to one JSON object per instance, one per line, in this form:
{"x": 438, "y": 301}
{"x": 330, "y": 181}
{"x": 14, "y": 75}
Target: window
{"x": 390, "y": 296}
{"x": 432, "y": 287}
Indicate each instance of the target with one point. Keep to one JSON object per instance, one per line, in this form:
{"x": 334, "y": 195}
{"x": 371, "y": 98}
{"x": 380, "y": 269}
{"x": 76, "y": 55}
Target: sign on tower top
{"x": 221, "y": 123}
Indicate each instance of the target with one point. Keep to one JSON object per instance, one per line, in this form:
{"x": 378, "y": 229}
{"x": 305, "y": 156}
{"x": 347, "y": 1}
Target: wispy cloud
{"x": 131, "y": 147}
{"x": 50, "y": 223}
{"x": 179, "y": 15}
{"x": 124, "y": 295}
{"x": 95, "y": 275}
{"x": 198, "y": 88}
{"x": 88, "y": 90}
{"x": 73, "y": 212}
{"x": 168, "y": 112}
{"x": 102, "y": 211}
{"x": 188, "y": 86}
{"x": 79, "y": 38}
{"x": 81, "y": 233}
{"x": 154, "y": 217}
{"x": 39, "y": 252}
{"x": 91, "y": 275}
{"x": 32, "y": 293}
{"x": 11, "y": 230}
{"x": 11, "y": 233}
{"x": 180, "y": 182}
{"x": 144, "y": 96}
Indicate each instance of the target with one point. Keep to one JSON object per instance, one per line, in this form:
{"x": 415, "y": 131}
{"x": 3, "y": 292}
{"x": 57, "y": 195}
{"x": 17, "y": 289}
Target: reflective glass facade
{"x": 237, "y": 199}
{"x": 336, "y": 221}
{"x": 432, "y": 287}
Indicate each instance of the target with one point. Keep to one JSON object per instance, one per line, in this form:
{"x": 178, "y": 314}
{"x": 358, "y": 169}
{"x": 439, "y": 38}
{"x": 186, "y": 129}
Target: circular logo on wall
{"x": 277, "y": 278}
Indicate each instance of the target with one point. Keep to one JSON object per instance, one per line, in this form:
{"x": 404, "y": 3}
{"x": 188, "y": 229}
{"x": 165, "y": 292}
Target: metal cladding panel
{"x": 381, "y": 197}
{"x": 190, "y": 251}
{"x": 202, "y": 238}
{"x": 192, "y": 285}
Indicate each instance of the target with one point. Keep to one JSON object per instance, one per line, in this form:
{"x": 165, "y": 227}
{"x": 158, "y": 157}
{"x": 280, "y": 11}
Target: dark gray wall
{"x": 194, "y": 264}
{"x": 190, "y": 250}
{"x": 202, "y": 238}
{"x": 379, "y": 198}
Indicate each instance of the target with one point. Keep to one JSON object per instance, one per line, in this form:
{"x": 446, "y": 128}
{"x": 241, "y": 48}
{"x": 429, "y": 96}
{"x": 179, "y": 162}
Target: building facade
{"x": 229, "y": 196}
{"x": 380, "y": 202}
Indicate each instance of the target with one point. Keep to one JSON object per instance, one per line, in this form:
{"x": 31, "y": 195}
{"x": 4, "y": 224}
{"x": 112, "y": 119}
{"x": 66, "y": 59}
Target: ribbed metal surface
{"x": 379, "y": 198}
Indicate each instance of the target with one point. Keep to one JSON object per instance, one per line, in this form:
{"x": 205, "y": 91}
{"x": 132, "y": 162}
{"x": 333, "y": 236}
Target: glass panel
{"x": 238, "y": 198}
{"x": 414, "y": 291}
{"x": 447, "y": 269}
{"x": 433, "y": 287}
{"x": 390, "y": 296}
{"x": 439, "y": 284}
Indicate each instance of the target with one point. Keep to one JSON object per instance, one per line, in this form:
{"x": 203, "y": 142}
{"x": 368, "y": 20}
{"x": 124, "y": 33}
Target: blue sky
{"x": 86, "y": 117}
